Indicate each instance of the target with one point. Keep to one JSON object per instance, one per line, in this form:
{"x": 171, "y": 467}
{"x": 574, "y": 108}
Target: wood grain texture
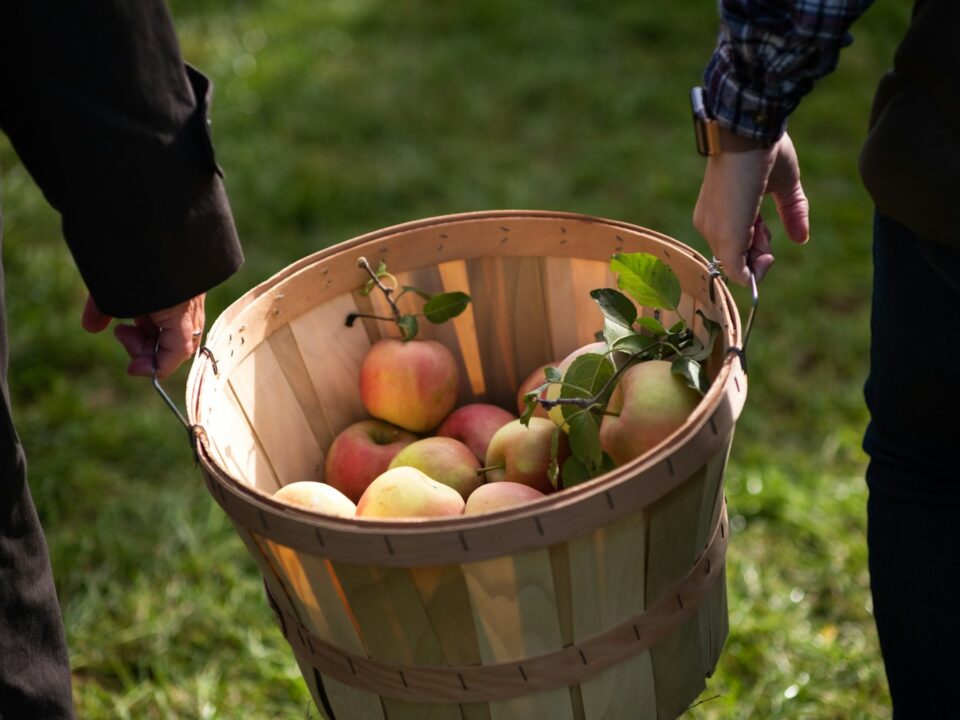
{"x": 609, "y": 568}
{"x": 515, "y": 616}
{"x": 282, "y": 429}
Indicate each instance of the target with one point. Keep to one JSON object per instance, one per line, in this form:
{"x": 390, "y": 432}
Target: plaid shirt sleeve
{"x": 768, "y": 56}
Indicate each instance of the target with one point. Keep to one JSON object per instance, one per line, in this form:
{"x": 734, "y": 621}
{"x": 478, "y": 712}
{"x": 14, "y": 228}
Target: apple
{"x": 474, "y": 425}
{"x": 362, "y": 451}
{"x": 553, "y": 391}
{"x": 652, "y": 402}
{"x": 499, "y": 495}
{"x": 521, "y": 454}
{"x": 410, "y": 384}
{"x": 532, "y": 382}
{"x": 406, "y": 493}
{"x": 316, "y": 497}
{"x": 445, "y": 460}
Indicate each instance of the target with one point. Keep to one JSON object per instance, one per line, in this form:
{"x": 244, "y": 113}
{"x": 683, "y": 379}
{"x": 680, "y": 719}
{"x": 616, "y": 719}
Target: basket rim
{"x": 727, "y": 389}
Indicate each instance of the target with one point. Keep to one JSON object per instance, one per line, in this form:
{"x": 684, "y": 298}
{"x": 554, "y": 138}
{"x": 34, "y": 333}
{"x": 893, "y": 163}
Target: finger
{"x": 787, "y": 192}
{"x": 794, "y": 213}
{"x": 760, "y": 256}
{"x": 92, "y": 320}
{"x": 173, "y": 348}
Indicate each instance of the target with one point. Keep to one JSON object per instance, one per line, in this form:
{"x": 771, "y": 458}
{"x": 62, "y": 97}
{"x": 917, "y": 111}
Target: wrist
{"x": 732, "y": 142}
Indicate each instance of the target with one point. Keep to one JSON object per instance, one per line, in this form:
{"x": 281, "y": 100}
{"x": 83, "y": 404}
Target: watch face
{"x": 706, "y": 130}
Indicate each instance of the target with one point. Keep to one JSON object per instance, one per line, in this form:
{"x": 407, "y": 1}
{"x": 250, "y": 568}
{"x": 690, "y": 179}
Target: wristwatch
{"x": 705, "y": 128}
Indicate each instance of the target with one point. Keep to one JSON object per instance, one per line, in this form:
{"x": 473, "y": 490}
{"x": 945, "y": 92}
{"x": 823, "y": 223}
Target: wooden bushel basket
{"x": 606, "y": 600}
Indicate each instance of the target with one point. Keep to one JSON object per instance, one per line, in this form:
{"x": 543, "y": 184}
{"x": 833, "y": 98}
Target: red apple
{"x": 360, "y": 453}
{"x": 499, "y": 495}
{"x": 445, "y": 460}
{"x": 521, "y": 454}
{"x": 411, "y": 384}
{"x": 316, "y": 497}
{"x": 474, "y": 425}
{"x": 652, "y": 402}
{"x": 406, "y": 493}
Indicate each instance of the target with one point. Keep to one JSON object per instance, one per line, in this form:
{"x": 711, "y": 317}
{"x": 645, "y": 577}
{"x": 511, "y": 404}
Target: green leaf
{"x": 553, "y": 469}
{"x": 607, "y": 465}
{"x": 647, "y": 279}
{"x": 574, "y": 472}
{"x": 443, "y": 306}
{"x": 679, "y": 326}
{"x": 613, "y": 332}
{"x": 553, "y": 375}
{"x": 584, "y": 437}
{"x": 635, "y": 343}
{"x": 408, "y": 327}
{"x": 615, "y": 306}
{"x": 410, "y": 288}
{"x": 585, "y": 377}
{"x": 653, "y": 325}
{"x": 690, "y": 370}
{"x": 530, "y": 404}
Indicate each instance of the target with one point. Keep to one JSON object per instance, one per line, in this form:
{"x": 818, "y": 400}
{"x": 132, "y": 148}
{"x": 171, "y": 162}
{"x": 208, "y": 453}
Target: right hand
{"x": 727, "y": 213}
{"x": 166, "y": 337}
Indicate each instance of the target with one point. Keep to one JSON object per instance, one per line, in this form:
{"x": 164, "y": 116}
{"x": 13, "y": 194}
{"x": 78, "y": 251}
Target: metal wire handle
{"x": 716, "y": 271}
{"x": 192, "y": 430}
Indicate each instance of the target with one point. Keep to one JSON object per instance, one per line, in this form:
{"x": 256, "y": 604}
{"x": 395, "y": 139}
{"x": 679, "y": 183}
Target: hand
{"x": 178, "y": 328}
{"x": 728, "y": 209}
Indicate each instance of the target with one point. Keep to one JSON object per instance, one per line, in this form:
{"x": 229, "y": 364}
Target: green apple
{"x": 651, "y": 403}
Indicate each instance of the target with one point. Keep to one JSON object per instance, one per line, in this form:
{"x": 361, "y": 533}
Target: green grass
{"x": 340, "y": 117}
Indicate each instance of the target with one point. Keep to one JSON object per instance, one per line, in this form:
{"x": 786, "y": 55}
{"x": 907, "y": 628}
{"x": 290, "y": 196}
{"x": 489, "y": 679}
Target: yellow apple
{"x": 406, "y": 493}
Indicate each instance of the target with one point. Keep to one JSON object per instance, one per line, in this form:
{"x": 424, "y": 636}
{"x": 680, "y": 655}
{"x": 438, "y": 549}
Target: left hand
{"x": 178, "y": 330}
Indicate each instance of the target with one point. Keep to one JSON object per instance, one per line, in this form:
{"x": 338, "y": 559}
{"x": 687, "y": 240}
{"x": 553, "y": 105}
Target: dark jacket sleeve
{"x": 112, "y": 125}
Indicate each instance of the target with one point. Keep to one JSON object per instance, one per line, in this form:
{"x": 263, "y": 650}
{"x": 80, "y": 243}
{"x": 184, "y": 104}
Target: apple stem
{"x": 352, "y": 318}
{"x": 387, "y": 292}
{"x": 483, "y": 470}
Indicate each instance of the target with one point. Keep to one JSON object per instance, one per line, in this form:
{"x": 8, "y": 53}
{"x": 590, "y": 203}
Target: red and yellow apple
{"x": 521, "y": 454}
{"x": 474, "y": 425}
{"x": 445, "y": 460}
{"x": 651, "y": 402}
{"x": 499, "y": 495}
{"x": 316, "y": 497}
{"x": 406, "y": 493}
{"x": 361, "y": 452}
{"x": 410, "y": 384}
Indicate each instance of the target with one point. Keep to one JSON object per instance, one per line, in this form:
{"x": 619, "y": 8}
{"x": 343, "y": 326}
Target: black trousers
{"x": 913, "y": 511}
{"x": 34, "y": 667}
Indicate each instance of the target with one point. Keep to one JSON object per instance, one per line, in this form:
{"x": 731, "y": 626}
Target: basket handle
{"x": 193, "y": 431}
{"x": 741, "y": 352}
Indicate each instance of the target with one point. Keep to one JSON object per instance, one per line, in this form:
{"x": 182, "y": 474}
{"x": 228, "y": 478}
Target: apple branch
{"x": 387, "y": 291}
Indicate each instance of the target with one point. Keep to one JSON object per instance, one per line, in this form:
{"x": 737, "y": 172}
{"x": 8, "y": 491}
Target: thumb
{"x": 784, "y": 185}
{"x": 794, "y": 211}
